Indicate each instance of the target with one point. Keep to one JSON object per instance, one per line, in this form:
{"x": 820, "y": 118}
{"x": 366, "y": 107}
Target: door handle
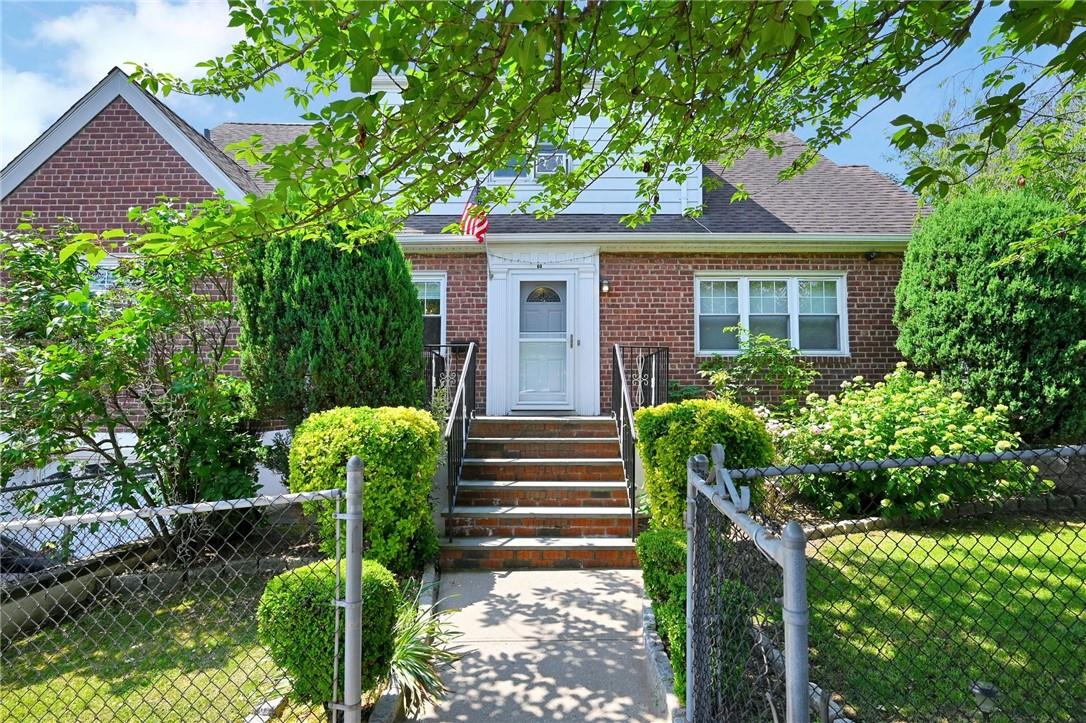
{"x": 571, "y": 341}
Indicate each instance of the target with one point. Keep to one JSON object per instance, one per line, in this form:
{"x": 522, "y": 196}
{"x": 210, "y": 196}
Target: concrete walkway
{"x": 547, "y": 646}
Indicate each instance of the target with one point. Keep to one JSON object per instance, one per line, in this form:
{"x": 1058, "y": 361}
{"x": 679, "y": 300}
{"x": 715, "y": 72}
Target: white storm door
{"x": 544, "y": 344}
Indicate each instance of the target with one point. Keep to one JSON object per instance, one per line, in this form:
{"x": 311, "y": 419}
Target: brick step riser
{"x": 543, "y": 472}
{"x": 510, "y": 526}
{"x": 513, "y": 428}
{"x": 556, "y": 497}
{"x": 574, "y": 559}
{"x": 545, "y": 450}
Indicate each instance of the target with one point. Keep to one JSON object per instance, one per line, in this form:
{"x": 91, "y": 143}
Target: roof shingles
{"x": 826, "y": 199}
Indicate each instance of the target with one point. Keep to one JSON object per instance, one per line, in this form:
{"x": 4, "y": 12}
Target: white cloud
{"x": 88, "y": 42}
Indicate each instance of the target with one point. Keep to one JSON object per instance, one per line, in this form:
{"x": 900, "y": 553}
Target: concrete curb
{"x": 661, "y": 677}
{"x": 389, "y": 707}
{"x": 267, "y": 711}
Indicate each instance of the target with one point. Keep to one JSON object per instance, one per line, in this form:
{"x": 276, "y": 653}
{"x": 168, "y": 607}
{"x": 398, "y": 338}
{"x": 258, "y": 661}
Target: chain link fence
{"x": 978, "y": 614}
{"x": 149, "y": 614}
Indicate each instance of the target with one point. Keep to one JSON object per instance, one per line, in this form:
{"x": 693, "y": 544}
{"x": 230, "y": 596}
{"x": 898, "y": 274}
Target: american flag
{"x": 473, "y": 221}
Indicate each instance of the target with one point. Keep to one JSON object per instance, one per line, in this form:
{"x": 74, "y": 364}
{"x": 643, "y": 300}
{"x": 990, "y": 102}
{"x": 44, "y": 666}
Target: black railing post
{"x": 651, "y": 368}
{"x": 461, "y": 410}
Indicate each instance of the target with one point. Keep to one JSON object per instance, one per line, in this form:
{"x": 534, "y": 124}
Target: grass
{"x": 191, "y": 654}
{"x": 904, "y": 622}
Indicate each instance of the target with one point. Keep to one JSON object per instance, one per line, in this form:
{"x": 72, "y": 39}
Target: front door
{"x": 545, "y": 345}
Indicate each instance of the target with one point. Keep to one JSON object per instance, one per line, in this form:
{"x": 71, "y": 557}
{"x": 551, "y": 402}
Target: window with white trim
{"x": 431, "y": 291}
{"x": 807, "y": 310}
{"x": 547, "y": 160}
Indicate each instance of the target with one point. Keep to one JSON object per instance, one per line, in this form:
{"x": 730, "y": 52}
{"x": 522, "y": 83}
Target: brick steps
{"x": 530, "y": 493}
{"x": 579, "y": 427}
{"x": 537, "y": 553}
{"x": 543, "y": 447}
{"x": 538, "y": 521}
{"x": 542, "y": 468}
{"x": 540, "y": 492}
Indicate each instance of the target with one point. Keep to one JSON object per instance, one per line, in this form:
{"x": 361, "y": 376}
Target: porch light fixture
{"x": 871, "y": 255}
{"x": 605, "y": 286}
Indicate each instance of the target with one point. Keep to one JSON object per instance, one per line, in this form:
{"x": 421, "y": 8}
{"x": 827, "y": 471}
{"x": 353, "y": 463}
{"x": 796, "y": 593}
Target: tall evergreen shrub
{"x": 325, "y": 324}
{"x": 1008, "y": 333}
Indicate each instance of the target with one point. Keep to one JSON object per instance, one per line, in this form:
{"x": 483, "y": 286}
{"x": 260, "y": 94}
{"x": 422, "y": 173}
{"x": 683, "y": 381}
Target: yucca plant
{"x": 423, "y": 648}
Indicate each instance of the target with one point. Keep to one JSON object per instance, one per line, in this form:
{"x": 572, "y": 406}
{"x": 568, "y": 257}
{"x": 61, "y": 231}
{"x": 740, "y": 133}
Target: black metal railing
{"x": 461, "y": 410}
{"x": 645, "y": 385}
{"x": 442, "y": 365}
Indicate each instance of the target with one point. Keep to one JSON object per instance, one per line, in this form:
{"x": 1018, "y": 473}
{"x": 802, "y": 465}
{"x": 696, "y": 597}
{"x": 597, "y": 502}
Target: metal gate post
{"x": 352, "y": 628}
{"x": 796, "y": 616}
{"x": 696, "y": 466}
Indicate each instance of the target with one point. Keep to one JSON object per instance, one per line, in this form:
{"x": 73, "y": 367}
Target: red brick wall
{"x": 465, "y": 298}
{"x": 115, "y": 162}
{"x": 652, "y": 303}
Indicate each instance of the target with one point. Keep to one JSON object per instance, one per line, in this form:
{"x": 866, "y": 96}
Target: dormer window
{"x": 548, "y": 160}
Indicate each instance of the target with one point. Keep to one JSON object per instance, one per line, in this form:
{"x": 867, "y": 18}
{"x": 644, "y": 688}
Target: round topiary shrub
{"x": 296, "y": 622}
{"x": 399, "y": 448}
{"x": 668, "y": 435}
{"x": 1008, "y": 333}
{"x": 329, "y": 322}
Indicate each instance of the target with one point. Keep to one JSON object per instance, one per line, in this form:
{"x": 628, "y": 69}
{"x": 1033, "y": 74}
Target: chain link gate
{"x": 746, "y": 608}
{"x": 976, "y": 615}
{"x": 151, "y": 613}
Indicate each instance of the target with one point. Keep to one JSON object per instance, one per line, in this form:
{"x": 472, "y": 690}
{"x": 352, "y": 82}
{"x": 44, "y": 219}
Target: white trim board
{"x": 507, "y": 266}
{"x": 115, "y": 84}
{"x": 633, "y": 242}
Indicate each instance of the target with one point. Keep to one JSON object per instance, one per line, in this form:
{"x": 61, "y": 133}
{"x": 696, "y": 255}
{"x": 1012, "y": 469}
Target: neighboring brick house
{"x": 815, "y": 259}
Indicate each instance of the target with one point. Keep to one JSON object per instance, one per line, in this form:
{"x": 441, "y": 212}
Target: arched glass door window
{"x": 544, "y": 295}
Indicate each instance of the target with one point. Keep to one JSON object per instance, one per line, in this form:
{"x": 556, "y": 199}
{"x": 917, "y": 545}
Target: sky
{"x": 51, "y": 53}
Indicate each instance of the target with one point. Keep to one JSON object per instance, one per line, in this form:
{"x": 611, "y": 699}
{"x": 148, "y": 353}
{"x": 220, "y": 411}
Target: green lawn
{"x": 903, "y": 622}
{"x": 191, "y": 655}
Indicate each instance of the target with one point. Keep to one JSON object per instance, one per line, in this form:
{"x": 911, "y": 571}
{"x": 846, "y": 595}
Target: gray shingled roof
{"x": 226, "y": 163}
{"x": 828, "y": 198}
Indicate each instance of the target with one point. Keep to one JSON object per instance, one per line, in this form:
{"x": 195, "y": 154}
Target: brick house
{"x": 814, "y": 259}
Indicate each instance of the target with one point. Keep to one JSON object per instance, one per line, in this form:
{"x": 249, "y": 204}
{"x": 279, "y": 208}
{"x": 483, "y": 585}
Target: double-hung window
{"x": 431, "y": 291}
{"x": 807, "y": 310}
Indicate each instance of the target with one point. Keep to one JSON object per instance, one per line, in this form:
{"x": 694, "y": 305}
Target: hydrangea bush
{"x": 905, "y": 415}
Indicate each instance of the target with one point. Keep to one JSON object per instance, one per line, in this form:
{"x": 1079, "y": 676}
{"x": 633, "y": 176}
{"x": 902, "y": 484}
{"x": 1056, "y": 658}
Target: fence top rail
{"x": 946, "y": 460}
{"x": 87, "y": 518}
{"x": 703, "y": 480}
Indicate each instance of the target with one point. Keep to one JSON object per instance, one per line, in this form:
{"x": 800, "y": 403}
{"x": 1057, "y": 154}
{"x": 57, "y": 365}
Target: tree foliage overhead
{"x": 325, "y": 324}
{"x": 678, "y": 83}
{"x": 1009, "y": 333}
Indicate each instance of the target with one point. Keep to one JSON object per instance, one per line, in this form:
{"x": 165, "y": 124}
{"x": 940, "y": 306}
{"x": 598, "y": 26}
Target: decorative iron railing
{"x": 442, "y": 362}
{"x": 638, "y": 379}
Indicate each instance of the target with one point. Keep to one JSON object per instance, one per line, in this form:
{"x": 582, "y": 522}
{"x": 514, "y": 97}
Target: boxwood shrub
{"x": 296, "y": 622}
{"x": 662, "y": 554}
{"x": 399, "y": 447}
{"x": 668, "y": 435}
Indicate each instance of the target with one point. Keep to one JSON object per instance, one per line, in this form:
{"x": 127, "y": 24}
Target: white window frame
{"x": 529, "y": 176}
{"x": 110, "y": 262}
{"x": 440, "y": 278}
{"x": 792, "y": 279}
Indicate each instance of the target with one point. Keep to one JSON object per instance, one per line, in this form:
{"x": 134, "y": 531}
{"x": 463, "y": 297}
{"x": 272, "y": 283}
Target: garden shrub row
{"x": 399, "y": 448}
{"x": 662, "y": 554}
{"x": 296, "y": 621}
{"x": 904, "y": 415}
{"x": 669, "y": 434}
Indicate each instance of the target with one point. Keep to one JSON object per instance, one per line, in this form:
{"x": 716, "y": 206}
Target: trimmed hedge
{"x": 296, "y": 621}
{"x": 662, "y": 554}
{"x": 329, "y": 322}
{"x": 399, "y": 447}
{"x": 1011, "y": 333}
{"x": 668, "y": 435}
